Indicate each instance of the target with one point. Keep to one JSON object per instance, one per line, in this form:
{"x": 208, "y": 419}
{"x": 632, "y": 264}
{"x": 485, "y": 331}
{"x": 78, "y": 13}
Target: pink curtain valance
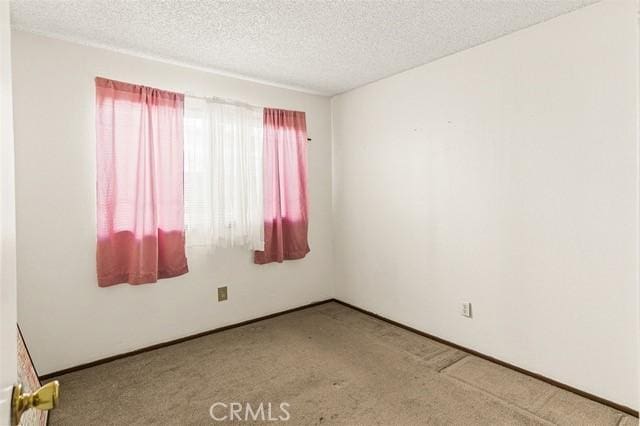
{"x": 135, "y": 91}
{"x": 140, "y": 207}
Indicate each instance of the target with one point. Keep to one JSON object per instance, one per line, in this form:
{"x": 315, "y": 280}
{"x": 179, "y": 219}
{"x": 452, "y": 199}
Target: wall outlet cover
{"x": 222, "y": 294}
{"x": 466, "y": 309}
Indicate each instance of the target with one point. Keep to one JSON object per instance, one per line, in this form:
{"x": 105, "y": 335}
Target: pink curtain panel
{"x": 285, "y": 187}
{"x": 140, "y": 202}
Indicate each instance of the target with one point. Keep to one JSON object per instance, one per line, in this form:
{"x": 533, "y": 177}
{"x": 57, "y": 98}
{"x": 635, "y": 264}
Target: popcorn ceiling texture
{"x": 326, "y": 47}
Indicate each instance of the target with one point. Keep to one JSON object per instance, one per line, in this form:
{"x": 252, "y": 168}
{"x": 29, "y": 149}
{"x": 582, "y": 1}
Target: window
{"x": 223, "y": 174}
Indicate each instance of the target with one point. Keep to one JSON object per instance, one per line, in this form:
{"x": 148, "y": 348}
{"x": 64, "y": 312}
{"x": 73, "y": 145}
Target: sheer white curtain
{"x": 223, "y": 175}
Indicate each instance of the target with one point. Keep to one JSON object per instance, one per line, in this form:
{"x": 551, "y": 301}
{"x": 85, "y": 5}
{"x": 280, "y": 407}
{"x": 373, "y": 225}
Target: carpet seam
{"x": 535, "y": 404}
{"x": 505, "y": 402}
{"x": 544, "y": 400}
{"x": 600, "y": 400}
{"x": 444, "y": 349}
{"x": 453, "y": 363}
{"x": 620, "y": 419}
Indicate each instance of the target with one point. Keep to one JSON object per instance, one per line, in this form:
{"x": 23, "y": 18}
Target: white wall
{"x": 66, "y": 318}
{"x": 504, "y": 175}
{"x": 8, "y": 352}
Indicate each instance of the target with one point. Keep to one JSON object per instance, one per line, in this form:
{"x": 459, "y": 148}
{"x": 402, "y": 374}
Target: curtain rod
{"x": 223, "y": 100}
{"x": 226, "y": 101}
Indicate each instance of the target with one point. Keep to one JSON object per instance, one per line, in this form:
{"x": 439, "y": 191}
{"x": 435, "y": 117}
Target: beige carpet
{"x": 332, "y": 365}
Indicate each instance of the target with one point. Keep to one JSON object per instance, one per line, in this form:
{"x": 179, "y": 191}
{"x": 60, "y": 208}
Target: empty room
{"x": 319, "y": 212}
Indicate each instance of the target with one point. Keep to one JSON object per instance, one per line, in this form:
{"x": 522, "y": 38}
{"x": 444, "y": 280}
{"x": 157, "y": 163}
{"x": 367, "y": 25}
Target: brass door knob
{"x": 45, "y": 398}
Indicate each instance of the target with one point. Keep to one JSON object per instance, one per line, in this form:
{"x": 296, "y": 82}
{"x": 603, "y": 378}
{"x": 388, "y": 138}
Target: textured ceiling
{"x": 322, "y": 46}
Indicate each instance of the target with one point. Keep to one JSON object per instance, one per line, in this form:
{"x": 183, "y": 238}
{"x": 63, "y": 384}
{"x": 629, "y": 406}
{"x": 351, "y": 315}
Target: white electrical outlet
{"x": 466, "y": 309}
